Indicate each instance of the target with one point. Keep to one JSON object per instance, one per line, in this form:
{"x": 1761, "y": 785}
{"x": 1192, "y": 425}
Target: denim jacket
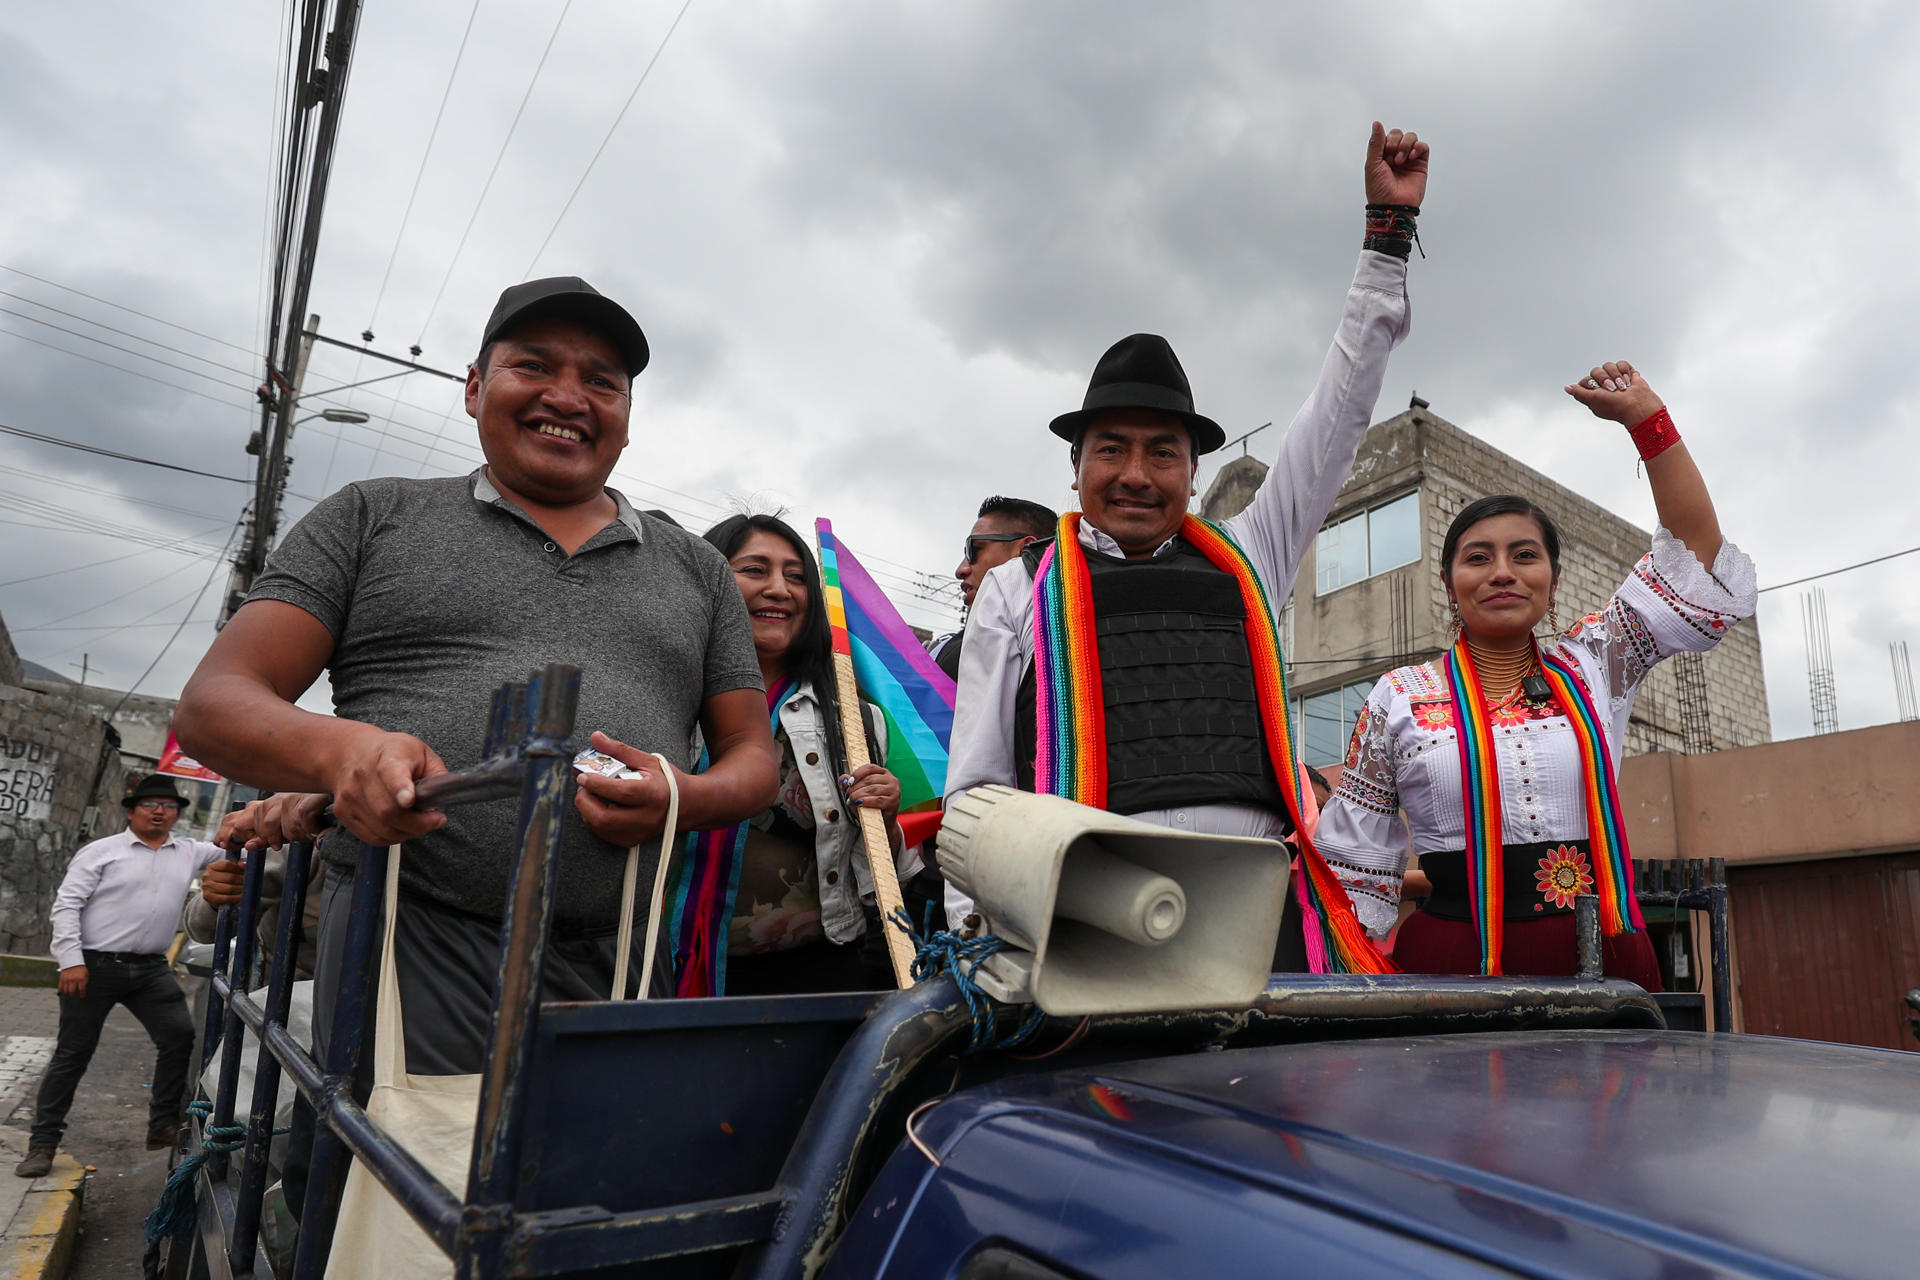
{"x": 845, "y": 879}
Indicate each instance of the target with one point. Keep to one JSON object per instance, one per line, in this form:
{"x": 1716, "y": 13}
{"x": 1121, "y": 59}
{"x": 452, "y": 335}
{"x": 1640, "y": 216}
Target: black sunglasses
{"x": 972, "y": 552}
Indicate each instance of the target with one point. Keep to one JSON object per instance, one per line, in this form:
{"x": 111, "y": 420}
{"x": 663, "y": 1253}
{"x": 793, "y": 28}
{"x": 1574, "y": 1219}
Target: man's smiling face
{"x": 1134, "y": 470}
{"x": 552, "y": 408}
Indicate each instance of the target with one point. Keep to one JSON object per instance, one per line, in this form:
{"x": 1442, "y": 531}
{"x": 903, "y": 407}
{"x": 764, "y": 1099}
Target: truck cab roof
{"x": 1566, "y": 1153}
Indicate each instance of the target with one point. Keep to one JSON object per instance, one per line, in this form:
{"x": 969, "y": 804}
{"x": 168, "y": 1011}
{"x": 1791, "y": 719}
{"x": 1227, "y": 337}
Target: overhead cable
{"x": 95, "y": 564}
{"x": 421, "y": 172}
{"x": 107, "y": 302}
{"x": 138, "y": 355}
{"x": 644, "y": 73}
{"x": 1891, "y": 555}
{"x": 488, "y": 185}
{"x": 135, "y": 373}
{"x": 218, "y": 565}
{"x": 114, "y": 453}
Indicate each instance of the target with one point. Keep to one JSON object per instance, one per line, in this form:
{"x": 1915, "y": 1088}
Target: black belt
{"x": 122, "y": 957}
{"x": 1569, "y": 867}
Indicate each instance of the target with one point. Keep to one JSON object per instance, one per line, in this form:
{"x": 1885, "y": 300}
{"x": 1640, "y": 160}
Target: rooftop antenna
{"x": 1813, "y": 623}
{"x": 1242, "y": 440}
{"x": 1903, "y": 681}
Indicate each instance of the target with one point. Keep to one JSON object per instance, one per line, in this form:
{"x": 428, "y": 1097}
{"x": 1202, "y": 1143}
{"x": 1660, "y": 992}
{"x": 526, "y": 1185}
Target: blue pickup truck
{"x": 1544, "y": 1153}
{"x": 1324, "y": 1125}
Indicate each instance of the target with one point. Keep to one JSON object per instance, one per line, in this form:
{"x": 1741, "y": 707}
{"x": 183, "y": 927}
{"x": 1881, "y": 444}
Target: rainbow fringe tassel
{"x": 1480, "y": 794}
{"x": 1071, "y": 757}
{"x": 706, "y": 887}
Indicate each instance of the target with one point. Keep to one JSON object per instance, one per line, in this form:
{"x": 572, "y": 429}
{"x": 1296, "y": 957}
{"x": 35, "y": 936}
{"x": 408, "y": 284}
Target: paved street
{"x": 107, "y": 1128}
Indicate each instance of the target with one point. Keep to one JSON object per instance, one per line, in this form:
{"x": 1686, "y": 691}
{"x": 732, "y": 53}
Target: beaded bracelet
{"x": 1655, "y": 435}
{"x": 1391, "y": 230}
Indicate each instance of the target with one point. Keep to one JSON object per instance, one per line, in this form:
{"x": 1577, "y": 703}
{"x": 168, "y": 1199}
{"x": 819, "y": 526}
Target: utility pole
{"x": 270, "y": 480}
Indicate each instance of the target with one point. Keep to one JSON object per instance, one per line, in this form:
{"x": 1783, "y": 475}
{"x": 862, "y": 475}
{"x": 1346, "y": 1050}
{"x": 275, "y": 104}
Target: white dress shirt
{"x": 121, "y": 895}
{"x": 1405, "y": 753}
{"x": 1316, "y": 454}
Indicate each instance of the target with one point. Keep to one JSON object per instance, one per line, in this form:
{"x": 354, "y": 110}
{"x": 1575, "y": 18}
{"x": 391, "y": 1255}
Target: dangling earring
{"x": 1553, "y": 618}
{"x": 1455, "y": 624}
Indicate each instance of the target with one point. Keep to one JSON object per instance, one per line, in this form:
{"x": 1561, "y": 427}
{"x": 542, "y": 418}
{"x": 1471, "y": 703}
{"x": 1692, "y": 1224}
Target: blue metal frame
{"x": 871, "y": 1057}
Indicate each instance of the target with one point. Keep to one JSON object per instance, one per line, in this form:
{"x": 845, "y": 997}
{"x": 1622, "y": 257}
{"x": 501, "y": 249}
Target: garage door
{"x": 1826, "y": 950}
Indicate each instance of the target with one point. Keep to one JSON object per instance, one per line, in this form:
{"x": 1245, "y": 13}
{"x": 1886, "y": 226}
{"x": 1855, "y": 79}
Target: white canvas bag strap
{"x": 389, "y": 1028}
{"x": 623, "y": 948}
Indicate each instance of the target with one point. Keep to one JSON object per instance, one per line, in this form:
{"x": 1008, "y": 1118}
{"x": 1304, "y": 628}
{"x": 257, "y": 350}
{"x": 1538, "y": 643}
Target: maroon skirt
{"x": 1545, "y": 947}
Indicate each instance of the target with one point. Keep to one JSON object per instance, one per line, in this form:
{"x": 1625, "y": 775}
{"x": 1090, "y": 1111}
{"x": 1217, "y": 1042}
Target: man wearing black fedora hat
{"x": 114, "y": 916}
{"x": 420, "y": 597}
{"x": 1121, "y": 663}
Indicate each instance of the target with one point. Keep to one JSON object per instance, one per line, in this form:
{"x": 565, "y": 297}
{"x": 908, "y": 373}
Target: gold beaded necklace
{"x": 1501, "y": 670}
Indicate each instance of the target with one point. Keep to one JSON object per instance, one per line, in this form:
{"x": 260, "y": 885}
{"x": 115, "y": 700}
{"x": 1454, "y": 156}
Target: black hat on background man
{"x": 574, "y": 299}
{"x": 155, "y": 786}
{"x": 1141, "y": 372}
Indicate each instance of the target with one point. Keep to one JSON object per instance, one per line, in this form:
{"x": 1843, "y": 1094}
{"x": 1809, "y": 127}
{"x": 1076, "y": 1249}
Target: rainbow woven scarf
{"x": 1071, "y": 755}
{"x": 705, "y": 888}
{"x": 1480, "y": 795}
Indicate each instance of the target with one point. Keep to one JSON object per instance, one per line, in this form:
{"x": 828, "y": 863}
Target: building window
{"x": 1325, "y": 722}
{"x": 1368, "y": 542}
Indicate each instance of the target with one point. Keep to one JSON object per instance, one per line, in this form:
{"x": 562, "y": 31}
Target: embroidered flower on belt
{"x": 1563, "y": 874}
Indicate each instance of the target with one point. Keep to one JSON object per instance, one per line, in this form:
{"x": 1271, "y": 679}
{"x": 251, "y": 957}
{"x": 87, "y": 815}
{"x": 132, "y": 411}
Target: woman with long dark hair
{"x": 783, "y": 903}
{"x": 1503, "y": 753}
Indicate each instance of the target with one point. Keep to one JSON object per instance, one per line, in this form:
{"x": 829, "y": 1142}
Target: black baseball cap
{"x": 574, "y": 298}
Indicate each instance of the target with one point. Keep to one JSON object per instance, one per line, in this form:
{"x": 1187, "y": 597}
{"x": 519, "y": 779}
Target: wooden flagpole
{"x": 853, "y": 732}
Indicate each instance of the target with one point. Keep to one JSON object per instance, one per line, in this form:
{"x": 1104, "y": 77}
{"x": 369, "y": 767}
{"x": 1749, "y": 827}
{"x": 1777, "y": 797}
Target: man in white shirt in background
{"x": 114, "y": 917}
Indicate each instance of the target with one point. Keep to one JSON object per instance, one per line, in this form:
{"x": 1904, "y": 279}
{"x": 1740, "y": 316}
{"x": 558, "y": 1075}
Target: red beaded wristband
{"x": 1655, "y": 435}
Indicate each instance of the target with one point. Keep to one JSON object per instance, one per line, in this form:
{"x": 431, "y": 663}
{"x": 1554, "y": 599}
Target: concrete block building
{"x": 1369, "y": 596}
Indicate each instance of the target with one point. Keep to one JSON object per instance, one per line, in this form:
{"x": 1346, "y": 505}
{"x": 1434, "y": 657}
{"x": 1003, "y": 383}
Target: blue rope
{"x": 177, "y": 1213}
{"x": 939, "y": 951}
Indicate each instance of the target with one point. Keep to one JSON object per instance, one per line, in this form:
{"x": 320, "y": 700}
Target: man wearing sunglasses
{"x": 114, "y": 917}
{"x": 1005, "y": 528}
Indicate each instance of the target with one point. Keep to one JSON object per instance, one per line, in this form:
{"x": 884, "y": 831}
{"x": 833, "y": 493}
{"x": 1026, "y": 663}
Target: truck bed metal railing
{"x": 1695, "y": 884}
{"x": 808, "y": 1090}
{"x": 525, "y": 750}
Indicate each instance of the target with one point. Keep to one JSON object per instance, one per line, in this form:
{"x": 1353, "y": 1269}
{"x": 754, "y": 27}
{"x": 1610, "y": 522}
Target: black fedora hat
{"x": 1141, "y": 372}
{"x": 574, "y": 298}
{"x": 155, "y": 786}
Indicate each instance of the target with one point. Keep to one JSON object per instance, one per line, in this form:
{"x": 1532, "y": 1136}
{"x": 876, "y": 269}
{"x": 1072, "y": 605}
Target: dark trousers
{"x": 149, "y": 991}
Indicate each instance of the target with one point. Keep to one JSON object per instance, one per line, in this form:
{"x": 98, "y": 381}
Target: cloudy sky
{"x": 877, "y": 246}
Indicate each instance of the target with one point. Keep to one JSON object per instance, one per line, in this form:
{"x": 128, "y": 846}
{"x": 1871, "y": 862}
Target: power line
{"x": 644, "y": 73}
{"x": 217, "y": 565}
{"x": 51, "y": 623}
{"x": 125, "y": 333}
{"x": 114, "y": 346}
{"x": 105, "y": 302}
{"x": 47, "y": 477}
{"x": 421, "y": 172}
{"x": 95, "y": 564}
{"x": 459, "y": 248}
{"x": 113, "y": 453}
{"x": 134, "y": 373}
{"x": 1891, "y": 555}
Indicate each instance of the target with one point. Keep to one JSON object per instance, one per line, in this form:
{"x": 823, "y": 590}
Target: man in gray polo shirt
{"x": 419, "y": 597}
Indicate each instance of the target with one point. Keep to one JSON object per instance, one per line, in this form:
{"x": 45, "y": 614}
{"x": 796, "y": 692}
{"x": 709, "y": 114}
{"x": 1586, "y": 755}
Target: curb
{"x": 39, "y": 1241}
{"x": 28, "y": 971}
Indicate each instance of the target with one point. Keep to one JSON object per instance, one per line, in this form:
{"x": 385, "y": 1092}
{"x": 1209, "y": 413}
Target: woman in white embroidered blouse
{"x": 1500, "y": 565}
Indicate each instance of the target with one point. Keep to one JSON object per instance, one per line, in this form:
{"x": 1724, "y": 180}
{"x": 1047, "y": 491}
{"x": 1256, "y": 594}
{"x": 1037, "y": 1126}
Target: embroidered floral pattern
{"x": 1359, "y": 734}
{"x": 1433, "y": 716}
{"x": 1563, "y": 875}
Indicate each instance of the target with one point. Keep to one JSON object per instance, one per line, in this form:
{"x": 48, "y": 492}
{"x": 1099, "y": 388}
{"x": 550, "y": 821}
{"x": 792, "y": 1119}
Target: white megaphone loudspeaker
{"x": 1111, "y": 915}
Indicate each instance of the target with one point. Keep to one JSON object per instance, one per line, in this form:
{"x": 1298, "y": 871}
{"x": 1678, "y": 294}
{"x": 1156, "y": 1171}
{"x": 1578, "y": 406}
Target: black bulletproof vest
{"x": 1183, "y": 717}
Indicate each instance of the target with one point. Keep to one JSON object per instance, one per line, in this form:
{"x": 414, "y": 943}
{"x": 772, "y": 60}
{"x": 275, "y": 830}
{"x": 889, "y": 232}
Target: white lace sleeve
{"x": 1360, "y": 833}
{"x": 1670, "y": 603}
